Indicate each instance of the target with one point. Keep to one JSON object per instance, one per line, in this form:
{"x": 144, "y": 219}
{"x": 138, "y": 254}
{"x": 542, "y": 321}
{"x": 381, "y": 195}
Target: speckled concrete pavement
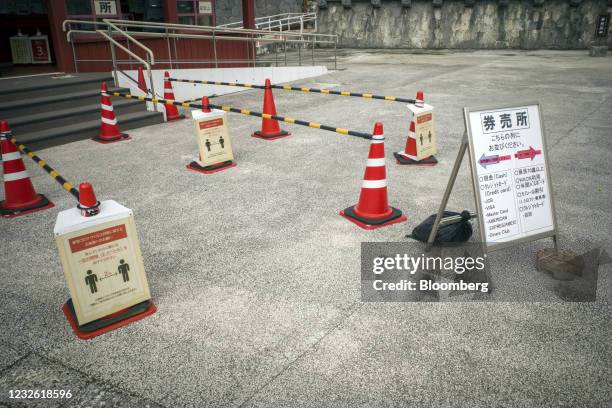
{"x": 257, "y": 279}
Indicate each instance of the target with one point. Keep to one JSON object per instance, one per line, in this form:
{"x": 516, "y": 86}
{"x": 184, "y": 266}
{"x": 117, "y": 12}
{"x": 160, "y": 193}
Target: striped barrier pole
{"x": 248, "y": 113}
{"x": 299, "y": 89}
{"x": 52, "y": 172}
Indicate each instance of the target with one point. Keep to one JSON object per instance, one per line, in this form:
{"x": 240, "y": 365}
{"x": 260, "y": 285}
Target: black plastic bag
{"x": 458, "y": 232}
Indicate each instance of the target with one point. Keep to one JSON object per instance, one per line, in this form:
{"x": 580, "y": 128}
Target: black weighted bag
{"x": 460, "y": 231}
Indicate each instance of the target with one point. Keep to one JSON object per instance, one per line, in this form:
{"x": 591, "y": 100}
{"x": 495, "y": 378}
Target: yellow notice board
{"x": 102, "y": 261}
{"x": 213, "y": 137}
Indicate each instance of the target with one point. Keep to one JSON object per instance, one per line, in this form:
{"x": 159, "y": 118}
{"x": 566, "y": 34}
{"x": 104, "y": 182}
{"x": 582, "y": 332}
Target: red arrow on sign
{"x": 530, "y": 153}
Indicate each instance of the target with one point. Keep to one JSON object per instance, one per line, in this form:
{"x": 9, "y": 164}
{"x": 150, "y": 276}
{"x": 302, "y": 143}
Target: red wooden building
{"x": 47, "y": 17}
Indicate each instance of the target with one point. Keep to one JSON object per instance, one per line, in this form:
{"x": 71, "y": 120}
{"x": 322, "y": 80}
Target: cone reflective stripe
{"x": 372, "y": 209}
{"x": 19, "y": 194}
{"x": 420, "y": 100}
{"x": 172, "y": 112}
{"x": 270, "y": 129}
{"x": 109, "y": 130}
{"x": 142, "y": 84}
{"x": 88, "y": 203}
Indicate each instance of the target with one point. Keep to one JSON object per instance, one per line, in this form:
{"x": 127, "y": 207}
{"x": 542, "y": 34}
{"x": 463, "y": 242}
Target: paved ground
{"x": 256, "y": 277}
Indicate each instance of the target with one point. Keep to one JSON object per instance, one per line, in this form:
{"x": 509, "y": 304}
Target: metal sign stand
{"x": 449, "y": 188}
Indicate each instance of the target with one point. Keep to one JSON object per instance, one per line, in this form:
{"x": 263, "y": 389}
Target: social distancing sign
{"x": 213, "y": 137}
{"x": 425, "y": 132}
{"x": 102, "y": 261}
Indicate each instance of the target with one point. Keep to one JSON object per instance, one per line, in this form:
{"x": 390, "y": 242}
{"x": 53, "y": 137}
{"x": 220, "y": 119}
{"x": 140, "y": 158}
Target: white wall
{"x": 184, "y": 91}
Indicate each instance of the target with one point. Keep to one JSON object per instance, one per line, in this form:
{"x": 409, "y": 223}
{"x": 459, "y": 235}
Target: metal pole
{"x": 175, "y": 49}
{"x": 169, "y": 51}
{"x": 447, "y": 192}
{"x": 285, "y": 47}
{"x": 151, "y": 82}
{"x": 74, "y": 59}
{"x": 127, "y": 43}
{"x": 112, "y": 46}
{"x": 313, "y": 50}
{"x": 215, "y": 49}
{"x": 299, "y": 53}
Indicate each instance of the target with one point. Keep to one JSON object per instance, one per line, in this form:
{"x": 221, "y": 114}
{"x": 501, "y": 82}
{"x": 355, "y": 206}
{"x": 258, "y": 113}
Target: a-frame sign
{"x": 510, "y": 176}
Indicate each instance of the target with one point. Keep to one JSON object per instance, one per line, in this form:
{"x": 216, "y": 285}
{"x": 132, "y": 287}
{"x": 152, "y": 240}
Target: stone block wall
{"x": 229, "y": 11}
{"x": 462, "y": 24}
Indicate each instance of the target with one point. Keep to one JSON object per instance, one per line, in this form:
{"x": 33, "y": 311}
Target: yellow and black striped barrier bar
{"x": 300, "y": 89}
{"x": 246, "y": 112}
{"x": 52, "y": 172}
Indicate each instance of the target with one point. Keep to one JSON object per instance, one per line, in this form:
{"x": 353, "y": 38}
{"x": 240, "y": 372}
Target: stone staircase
{"x": 50, "y": 110}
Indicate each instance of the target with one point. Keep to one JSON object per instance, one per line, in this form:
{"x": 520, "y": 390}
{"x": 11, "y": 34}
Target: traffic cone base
{"x": 42, "y": 204}
{"x": 395, "y": 217}
{"x": 120, "y": 138}
{"x": 272, "y": 136}
{"x": 213, "y": 168}
{"x": 107, "y": 323}
{"x": 403, "y": 160}
{"x": 175, "y": 118}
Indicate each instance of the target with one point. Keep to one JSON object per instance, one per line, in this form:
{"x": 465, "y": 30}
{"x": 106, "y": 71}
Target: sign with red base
{"x": 103, "y": 268}
{"x": 214, "y": 144}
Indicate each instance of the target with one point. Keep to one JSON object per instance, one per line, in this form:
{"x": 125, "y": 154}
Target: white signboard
{"x": 205, "y": 7}
{"x": 105, "y": 7}
{"x": 102, "y": 260}
{"x": 510, "y": 172}
{"x": 213, "y": 137}
{"x": 424, "y": 131}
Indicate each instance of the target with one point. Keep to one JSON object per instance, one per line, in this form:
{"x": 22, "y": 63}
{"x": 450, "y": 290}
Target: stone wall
{"x": 555, "y": 24}
{"x": 229, "y": 11}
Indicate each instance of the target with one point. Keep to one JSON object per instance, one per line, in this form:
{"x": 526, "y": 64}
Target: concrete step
{"x": 85, "y": 130}
{"x": 81, "y": 113}
{"x": 46, "y": 85}
{"x": 26, "y": 106}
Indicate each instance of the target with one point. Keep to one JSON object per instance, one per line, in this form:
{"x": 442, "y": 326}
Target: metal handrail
{"x": 135, "y": 56}
{"x": 215, "y": 29}
{"x": 132, "y": 39}
{"x": 132, "y": 54}
{"x": 267, "y": 23}
{"x": 113, "y": 28}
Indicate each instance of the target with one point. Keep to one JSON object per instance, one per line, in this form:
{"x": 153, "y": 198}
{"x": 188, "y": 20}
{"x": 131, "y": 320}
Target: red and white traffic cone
{"x": 270, "y": 129}
{"x": 419, "y": 100}
{"x": 88, "y": 203}
{"x": 373, "y": 211}
{"x": 172, "y": 112}
{"x": 142, "y": 83}
{"x": 408, "y": 156}
{"x": 19, "y": 195}
{"x": 109, "y": 130}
